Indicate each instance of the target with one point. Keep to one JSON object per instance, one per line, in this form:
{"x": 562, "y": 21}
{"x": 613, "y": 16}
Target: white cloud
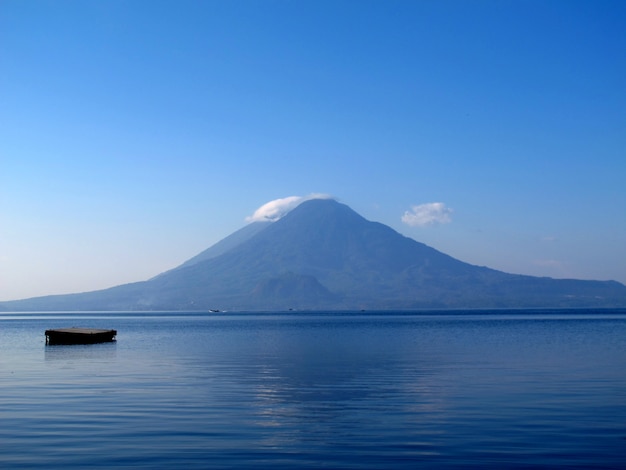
{"x": 430, "y": 213}
{"x": 274, "y": 210}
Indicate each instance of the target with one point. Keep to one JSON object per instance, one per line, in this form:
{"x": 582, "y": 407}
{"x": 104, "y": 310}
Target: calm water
{"x": 516, "y": 389}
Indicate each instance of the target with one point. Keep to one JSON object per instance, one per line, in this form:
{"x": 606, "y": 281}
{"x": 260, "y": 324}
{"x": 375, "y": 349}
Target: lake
{"x": 495, "y": 389}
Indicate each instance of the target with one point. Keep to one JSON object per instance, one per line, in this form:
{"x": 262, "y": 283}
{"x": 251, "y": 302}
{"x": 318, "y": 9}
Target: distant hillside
{"x": 323, "y": 255}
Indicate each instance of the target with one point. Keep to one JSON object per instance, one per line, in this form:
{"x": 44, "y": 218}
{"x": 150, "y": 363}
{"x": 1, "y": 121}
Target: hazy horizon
{"x": 137, "y": 134}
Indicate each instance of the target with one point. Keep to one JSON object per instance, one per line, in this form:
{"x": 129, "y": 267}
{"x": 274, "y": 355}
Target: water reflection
{"x": 318, "y": 391}
{"x": 81, "y": 352}
{"x": 351, "y": 380}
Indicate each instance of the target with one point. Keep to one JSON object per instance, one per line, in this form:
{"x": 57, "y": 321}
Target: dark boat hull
{"x": 79, "y": 336}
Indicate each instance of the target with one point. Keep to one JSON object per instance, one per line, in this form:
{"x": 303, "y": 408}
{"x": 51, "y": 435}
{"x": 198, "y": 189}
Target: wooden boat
{"x": 79, "y": 336}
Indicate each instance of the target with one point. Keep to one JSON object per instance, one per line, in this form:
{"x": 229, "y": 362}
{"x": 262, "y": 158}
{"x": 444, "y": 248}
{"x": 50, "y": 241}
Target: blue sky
{"x": 135, "y": 134}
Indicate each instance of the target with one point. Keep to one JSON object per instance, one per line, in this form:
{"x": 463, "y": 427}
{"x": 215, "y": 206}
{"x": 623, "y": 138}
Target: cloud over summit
{"x": 274, "y": 210}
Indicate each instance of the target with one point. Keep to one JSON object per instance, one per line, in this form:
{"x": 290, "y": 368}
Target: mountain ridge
{"x": 323, "y": 255}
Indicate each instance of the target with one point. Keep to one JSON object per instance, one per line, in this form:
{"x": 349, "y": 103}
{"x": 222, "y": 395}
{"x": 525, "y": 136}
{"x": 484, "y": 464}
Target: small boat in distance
{"x": 79, "y": 336}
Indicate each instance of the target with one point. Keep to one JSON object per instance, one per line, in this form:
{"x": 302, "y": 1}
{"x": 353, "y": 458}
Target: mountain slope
{"x": 323, "y": 255}
{"x": 226, "y": 244}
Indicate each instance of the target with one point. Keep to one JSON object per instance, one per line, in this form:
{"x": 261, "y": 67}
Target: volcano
{"x": 324, "y": 256}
